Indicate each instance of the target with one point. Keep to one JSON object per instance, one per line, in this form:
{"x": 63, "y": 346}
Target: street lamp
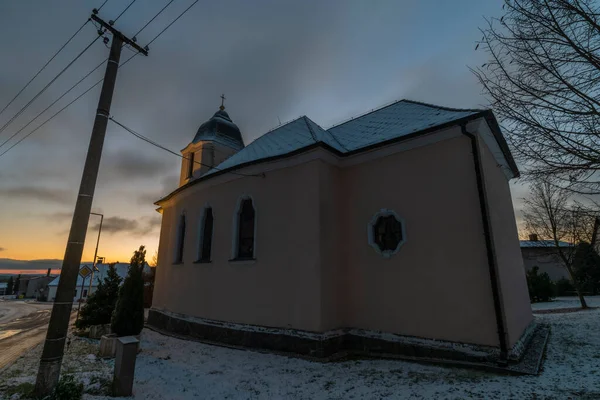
{"x": 95, "y": 252}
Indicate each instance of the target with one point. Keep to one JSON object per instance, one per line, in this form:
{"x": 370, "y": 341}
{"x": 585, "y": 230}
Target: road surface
{"x": 22, "y": 326}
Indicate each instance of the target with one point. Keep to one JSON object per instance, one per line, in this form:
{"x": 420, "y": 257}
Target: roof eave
{"x": 487, "y": 114}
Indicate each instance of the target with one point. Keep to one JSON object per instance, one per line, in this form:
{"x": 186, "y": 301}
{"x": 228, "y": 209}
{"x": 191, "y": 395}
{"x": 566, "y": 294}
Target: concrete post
{"x": 125, "y": 366}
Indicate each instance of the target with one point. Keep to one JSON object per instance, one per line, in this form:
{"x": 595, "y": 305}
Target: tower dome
{"x": 220, "y": 128}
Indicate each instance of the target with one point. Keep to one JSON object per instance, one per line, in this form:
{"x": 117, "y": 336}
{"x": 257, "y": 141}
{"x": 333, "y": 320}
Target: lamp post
{"x": 95, "y": 252}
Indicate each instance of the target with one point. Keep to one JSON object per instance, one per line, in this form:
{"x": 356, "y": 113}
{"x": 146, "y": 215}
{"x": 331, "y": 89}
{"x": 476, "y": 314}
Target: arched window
{"x": 206, "y": 234}
{"x": 180, "y": 240}
{"x": 244, "y": 244}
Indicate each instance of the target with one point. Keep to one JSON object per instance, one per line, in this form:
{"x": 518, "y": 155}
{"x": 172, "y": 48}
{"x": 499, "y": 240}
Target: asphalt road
{"x": 22, "y": 326}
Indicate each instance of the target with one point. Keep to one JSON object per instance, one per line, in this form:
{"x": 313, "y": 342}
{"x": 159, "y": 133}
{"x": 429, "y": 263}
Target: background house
{"x": 99, "y": 274}
{"x": 3, "y": 287}
{"x": 544, "y": 255}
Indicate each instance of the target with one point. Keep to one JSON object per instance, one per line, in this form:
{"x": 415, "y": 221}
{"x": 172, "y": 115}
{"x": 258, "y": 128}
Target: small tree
{"x": 586, "y": 267}
{"x": 549, "y": 214}
{"x": 100, "y": 305}
{"x": 9, "y": 287}
{"x": 564, "y": 287}
{"x": 128, "y": 318}
{"x": 539, "y": 285}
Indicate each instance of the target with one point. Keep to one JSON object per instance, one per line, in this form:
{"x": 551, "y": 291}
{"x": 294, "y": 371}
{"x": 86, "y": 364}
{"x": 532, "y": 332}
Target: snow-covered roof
{"x": 393, "y": 122}
{"x": 100, "y": 274}
{"x": 399, "y": 119}
{"x": 220, "y": 128}
{"x": 295, "y": 135}
{"x": 543, "y": 243}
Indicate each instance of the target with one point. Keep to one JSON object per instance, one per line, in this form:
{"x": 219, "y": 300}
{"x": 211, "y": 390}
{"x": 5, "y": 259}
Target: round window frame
{"x": 384, "y": 212}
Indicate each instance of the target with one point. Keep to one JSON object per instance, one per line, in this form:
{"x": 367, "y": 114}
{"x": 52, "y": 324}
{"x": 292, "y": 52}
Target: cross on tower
{"x": 222, "y": 102}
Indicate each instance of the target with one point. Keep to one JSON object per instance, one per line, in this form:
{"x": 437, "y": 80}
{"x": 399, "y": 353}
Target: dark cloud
{"x": 7, "y": 263}
{"x": 137, "y": 227}
{"x": 134, "y": 164}
{"x": 2, "y": 249}
{"x": 37, "y": 193}
{"x": 167, "y": 185}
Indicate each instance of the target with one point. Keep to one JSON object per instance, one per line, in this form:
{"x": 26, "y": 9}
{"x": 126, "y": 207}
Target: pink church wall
{"x": 437, "y": 285}
{"x": 517, "y": 308}
{"x": 314, "y": 268}
{"x": 282, "y": 288}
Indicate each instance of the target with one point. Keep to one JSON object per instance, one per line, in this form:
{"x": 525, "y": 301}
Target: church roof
{"x": 220, "y": 128}
{"x": 398, "y": 120}
{"x": 294, "y": 135}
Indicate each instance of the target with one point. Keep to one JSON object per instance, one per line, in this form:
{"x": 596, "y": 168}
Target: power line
{"x": 123, "y": 12}
{"x": 45, "y": 65}
{"x": 153, "y": 18}
{"x": 175, "y": 20}
{"x": 62, "y": 109}
{"x": 144, "y": 138}
{"x": 97, "y": 83}
{"x": 100, "y": 8}
{"x": 48, "y": 85}
{"x": 53, "y": 103}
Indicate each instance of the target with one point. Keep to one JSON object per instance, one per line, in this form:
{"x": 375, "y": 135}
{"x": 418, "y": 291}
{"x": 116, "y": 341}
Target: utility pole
{"x": 96, "y": 251}
{"x": 52, "y": 355}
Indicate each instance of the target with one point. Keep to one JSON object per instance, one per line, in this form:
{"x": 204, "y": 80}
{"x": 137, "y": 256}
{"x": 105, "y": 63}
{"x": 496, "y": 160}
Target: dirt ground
{"x": 22, "y": 327}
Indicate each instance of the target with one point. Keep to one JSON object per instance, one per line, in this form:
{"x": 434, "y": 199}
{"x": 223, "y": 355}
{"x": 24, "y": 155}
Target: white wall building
{"x": 85, "y": 290}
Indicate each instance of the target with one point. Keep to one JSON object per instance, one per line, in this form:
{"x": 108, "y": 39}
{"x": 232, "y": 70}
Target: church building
{"x": 392, "y": 233}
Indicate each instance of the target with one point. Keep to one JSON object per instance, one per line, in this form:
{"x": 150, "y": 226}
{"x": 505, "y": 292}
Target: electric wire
{"x": 123, "y": 12}
{"x": 48, "y": 85}
{"x": 44, "y": 66}
{"x": 53, "y": 103}
{"x": 175, "y": 20}
{"x": 61, "y": 110}
{"x": 97, "y": 83}
{"x": 150, "y": 141}
{"x": 153, "y": 18}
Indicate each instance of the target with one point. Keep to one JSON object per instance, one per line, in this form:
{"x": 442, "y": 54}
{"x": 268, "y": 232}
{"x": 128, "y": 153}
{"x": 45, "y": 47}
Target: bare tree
{"x": 543, "y": 81}
{"x": 551, "y": 215}
{"x": 154, "y": 261}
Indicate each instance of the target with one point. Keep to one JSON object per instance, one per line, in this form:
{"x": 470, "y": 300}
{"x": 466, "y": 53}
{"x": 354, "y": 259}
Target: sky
{"x": 274, "y": 61}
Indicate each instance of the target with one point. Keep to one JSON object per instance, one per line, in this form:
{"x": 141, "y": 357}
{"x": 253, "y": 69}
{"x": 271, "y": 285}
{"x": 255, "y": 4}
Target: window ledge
{"x": 202, "y": 262}
{"x": 243, "y": 260}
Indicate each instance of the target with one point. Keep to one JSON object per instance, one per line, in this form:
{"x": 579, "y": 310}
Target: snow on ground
{"x": 169, "y": 368}
{"x": 566, "y": 302}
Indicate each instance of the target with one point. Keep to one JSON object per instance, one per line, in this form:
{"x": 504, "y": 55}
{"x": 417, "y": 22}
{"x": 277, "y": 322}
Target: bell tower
{"x": 216, "y": 140}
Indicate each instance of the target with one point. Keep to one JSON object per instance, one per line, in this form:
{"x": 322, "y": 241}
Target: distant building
{"x": 36, "y": 286}
{"x": 544, "y": 255}
{"x": 32, "y": 286}
{"x": 3, "y": 288}
{"x": 85, "y": 291}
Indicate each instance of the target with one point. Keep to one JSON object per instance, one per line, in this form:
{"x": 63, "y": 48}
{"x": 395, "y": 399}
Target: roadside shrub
{"x": 99, "y": 308}
{"x": 67, "y": 389}
{"x": 128, "y": 318}
{"x": 564, "y": 287}
{"x": 586, "y": 268}
{"x": 540, "y": 286}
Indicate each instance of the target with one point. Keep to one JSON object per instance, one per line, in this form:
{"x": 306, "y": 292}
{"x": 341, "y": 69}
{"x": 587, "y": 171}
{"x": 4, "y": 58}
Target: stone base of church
{"x": 524, "y": 358}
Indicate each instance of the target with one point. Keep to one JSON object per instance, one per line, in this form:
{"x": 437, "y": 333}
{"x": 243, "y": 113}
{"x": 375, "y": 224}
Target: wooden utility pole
{"x": 52, "y": 355}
